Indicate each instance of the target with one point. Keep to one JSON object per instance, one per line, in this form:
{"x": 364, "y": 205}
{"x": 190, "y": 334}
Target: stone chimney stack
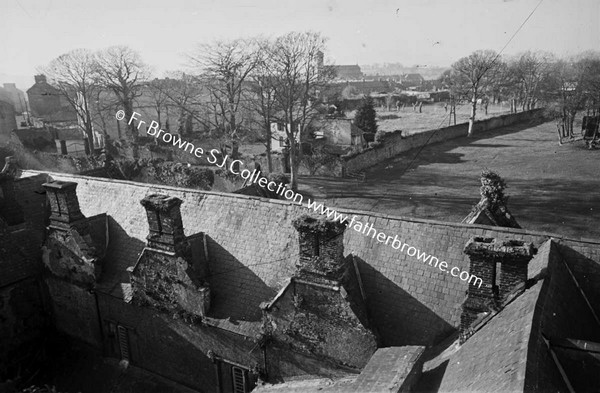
{"x": 502, "y": 266}
{"x": 64, "y": 206}
{"x": 164, "y": 220}
{"x": 321, "y": 248}
{"x": 40, "y": 78}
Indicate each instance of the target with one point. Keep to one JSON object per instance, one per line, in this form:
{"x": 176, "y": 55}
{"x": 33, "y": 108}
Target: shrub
{"x": 366, "y": 117}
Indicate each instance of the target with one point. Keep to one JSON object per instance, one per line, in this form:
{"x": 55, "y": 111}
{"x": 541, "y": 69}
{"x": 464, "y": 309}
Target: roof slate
{"x": 253, "y": 249}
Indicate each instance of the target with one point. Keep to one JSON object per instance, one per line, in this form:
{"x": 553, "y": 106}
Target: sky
{"x": 424, "y": 32}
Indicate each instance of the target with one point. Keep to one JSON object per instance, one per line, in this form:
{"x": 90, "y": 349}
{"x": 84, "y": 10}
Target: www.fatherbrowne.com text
{"x": 214, "y": 156}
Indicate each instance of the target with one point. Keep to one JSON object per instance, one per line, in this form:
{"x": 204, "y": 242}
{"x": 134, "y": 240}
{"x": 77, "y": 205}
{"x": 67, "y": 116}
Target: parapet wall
{"x": 397, "y": 143}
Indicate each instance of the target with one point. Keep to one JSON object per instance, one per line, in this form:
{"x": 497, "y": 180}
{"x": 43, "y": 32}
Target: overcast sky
{"x": 33, "y": 32}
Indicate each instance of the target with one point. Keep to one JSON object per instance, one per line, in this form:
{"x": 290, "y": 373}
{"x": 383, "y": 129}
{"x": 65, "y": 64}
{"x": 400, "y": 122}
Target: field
{"x": 552, "y": 188}
{"x": 432, "y": 116}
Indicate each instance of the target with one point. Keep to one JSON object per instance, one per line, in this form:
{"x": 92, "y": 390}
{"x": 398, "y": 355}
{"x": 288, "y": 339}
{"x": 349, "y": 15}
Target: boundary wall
{"x": 396, "y": 143}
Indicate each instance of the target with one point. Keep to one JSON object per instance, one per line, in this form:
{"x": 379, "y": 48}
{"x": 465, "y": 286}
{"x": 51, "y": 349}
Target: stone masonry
{"x": 170, "y": 274}
{"x": 76, "y": 245}
{"x": 485, "y": 253}
{"x": 321, "y": 311}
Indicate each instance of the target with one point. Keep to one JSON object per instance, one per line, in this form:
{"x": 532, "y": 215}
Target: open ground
{"x": 551, "y": 188}
{"x": 432, "y": 116}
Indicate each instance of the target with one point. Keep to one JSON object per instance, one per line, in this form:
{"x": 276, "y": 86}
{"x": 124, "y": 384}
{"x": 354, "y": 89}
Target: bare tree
{"x": 187, "y": 94}
{"x": 73, "y": 73}
{"x": 261, "y": 100}
{"x": 574, "y": 84}
{"x": 121, "y": 70}
{"x": 299, "y": 77}
{"x": 157, "y": 93}
{"x": 473, "y": 75}
{"x": 225, "y": 67}
{"x": 527, "y": 73}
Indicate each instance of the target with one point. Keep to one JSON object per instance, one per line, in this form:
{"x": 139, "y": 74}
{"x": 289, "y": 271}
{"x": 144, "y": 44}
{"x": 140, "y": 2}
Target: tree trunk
{"x": 293, "y": 167}
{"x": 269, "y": 144}
{"x": 473, "y": 111}
{"x": 131, "y": 128}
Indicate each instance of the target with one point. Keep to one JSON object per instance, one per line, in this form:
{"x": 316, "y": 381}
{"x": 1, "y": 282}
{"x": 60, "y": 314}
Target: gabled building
{"x": 49, "y": 105}
{"x": 230, "y": 293}
{"x": 348, "y": 72}
{"x": 412, "y": 80}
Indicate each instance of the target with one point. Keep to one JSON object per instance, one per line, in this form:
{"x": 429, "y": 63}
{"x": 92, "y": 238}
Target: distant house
{"x": 10, "y": 93}
{"x": 369, "y": 87}
{"x": 48, "y": 104}
{"x": 279, "y": 136}
{"x": 410, "y": 80}
{"x": 8, "y": 118}
{"x": 338, "y": 132}
{"x": 332, "y": 132}
{"x": 69, "y": 141}
{"x": 348, "y": 72}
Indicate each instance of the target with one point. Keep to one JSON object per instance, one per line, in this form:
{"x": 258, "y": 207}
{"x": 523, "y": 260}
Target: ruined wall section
{"x": 169, "y": 283}
{"x": 320, "y": 322}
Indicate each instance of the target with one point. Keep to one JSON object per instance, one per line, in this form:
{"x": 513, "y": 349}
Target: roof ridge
{"x": 338, "y": 209}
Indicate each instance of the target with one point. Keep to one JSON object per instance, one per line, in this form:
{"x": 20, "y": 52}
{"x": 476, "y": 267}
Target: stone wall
{"x": 397, "y": 143}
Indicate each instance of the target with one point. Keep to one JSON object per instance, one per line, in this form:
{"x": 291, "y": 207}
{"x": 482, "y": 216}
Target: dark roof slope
{"x": 507, "y": 354}
{"x": 16, "y": 261}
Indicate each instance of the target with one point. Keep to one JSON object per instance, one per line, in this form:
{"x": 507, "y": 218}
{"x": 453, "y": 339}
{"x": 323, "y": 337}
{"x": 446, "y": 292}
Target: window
{"x": 233, "y": 377}
{"x": 239, "y": 380}
{"x": 117, "y": 340}
{"x": 316, "y": 246}
{"x": 123, "y": 342}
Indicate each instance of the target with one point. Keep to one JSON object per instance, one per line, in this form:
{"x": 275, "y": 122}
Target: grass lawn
{"x": 433, "y": 116}
{"x": 552, "y": 188}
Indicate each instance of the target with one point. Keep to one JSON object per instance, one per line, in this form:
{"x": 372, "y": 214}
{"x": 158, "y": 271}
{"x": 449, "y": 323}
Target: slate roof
{"x": 387, "y": 371}
{"x": 17, "y": 260}
{"x": 502, "y": 356}
{"x": 253, "y": 249}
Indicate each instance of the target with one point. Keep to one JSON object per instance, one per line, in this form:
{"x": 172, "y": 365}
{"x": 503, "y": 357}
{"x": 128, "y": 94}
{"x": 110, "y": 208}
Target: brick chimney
{"x": 64, "y": 206}
{"x": 321, "y": 248}
{"x": 164, "y": 220}
{"x": 502, "y": 266}
{"x": 41, "y": 78}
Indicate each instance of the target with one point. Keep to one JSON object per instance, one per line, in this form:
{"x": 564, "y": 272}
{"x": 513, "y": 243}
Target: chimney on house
{"x": 321, "y": 248}
{"x": 164, "y": 220}
{"x": 64, "y": 206}
{"x": 502, "y": 267}
{"x": 41, "y": 78}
